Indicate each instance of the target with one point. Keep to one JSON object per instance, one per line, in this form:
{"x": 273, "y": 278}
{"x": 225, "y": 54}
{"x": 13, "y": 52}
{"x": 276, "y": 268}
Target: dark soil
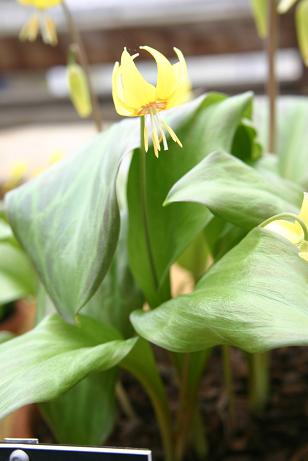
{"x": 280, "y": 434}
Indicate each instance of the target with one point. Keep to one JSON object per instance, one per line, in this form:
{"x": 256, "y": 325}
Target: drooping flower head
{"x": 39, "y": 20}
{"x": 134, "y": 96}
{"x": 293, "y": 231}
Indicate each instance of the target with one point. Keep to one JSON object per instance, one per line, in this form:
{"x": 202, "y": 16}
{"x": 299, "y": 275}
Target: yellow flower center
{"x": 155, "y": 106}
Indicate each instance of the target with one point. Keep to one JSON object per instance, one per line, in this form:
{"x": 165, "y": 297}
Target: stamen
{"x": 31, "y": 28}
{"x": 49, "y": 31}
{"x": 160, "y": 127}
{"x": 172, "y": 133}
{"x": 154, "y": 136}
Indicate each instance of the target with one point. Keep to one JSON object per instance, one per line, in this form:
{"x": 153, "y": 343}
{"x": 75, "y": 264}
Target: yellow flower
{"x": 16, "y": 176}
{"x": 134, "y": 96}
{"x": 293, "y": 231}
{"x": 40, "y": 21}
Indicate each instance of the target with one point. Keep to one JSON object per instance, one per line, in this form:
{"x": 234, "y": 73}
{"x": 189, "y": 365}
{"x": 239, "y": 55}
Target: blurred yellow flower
{"x": 40, "y": 21}
{"x": 16, "y": 176}
{"x": 134, "y": 96}
{"x": 293, "y": 231}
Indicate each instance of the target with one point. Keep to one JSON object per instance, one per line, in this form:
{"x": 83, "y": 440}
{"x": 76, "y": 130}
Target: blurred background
{"x": 218, "y": 38}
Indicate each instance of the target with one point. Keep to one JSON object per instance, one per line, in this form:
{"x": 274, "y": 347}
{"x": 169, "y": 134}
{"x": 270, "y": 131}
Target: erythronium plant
{"x": 102, "y": 244}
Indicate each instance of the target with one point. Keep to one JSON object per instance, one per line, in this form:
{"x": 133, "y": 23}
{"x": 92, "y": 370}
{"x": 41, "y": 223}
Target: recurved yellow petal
{"x": 137, "y": 92}
{"x": 166, "y": 77}
{"x": 289, "y": 230}
{"x": 30, "y": 29}
{"x": 41, "y": 4}
{"x": 182, "y": 92}
{"x": 117, "y": 94}
{"x": 49, "y": 31}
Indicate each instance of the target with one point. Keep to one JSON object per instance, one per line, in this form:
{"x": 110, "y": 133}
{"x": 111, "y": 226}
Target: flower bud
{"x": 79, "y": 90}
{"x": 302, "y": 29}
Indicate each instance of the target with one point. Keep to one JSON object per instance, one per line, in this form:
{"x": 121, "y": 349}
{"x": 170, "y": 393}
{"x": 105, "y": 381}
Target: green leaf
{"x": 5, "y": 231}
{"x": 254, "y": 298}
{"x": 85, "y": 414}
{"x": 67, "y": 219}
{"x": 5, "y": 336}
{"x": 118, "y": 294}
{"x": 292, "y": 136}
{"x": 302, "y": 28}
{"x": 46, "y": 362}
{"x": 235, "y": 191}
{"x": 205, "y": 125}
{"x": 140, "y": 362}
{"x": 17, "y": 277}
{"x": 260, "y": 12}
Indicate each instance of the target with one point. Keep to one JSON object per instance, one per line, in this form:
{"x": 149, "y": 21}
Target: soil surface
{"x": 280, "y": 434}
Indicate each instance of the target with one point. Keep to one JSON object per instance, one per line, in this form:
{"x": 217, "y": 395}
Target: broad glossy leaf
{"x": 211, "y": 124}
{"x": 86, "y": 413}
{"x": 235, "y": 191}
{"x": 254, "y": 298}
{"x": 17, "y": 277}
{"x": 118, "y": 294}
{"x": 68, "y": 220}
{"x": 46, "y": 362}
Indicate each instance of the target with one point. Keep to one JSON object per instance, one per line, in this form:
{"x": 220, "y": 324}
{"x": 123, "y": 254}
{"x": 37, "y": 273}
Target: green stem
{"x": 125, "y": 402}
{"x": 199, "y": 438}
{"x": 144, "y": 208}
{"x": 228, "y": 379}
{"x": 185, "y": 408}
{"x": 77, "y": 47}
{"x": 189, "y": 422}
{"x": 287, "y": 216}
{"x": 259, "y": 381}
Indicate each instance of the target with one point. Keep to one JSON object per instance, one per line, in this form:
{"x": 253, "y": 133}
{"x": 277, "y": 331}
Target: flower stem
{"x": 228, "y": 379}
{"x": 77, "y": 47}
{"x": 144, "y": 208}
{"x": 125, "y": 402}
{"x": 288, "y": 216}
{"x": 259, "y": 380}
{"x": 185, "y": 411}
{"x": 272, "y": 85}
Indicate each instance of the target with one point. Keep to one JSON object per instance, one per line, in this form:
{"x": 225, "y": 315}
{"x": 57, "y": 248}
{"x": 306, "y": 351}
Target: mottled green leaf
{"x": 118, "y": 294}
{"x": 46, "y": 362}
{"x": 17, "y": 277}
{"x": 68, "y": 220}
{"x": 85, "y": 414}
{"x": 254, "y": 298}
{"x": 235, "y": 191}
